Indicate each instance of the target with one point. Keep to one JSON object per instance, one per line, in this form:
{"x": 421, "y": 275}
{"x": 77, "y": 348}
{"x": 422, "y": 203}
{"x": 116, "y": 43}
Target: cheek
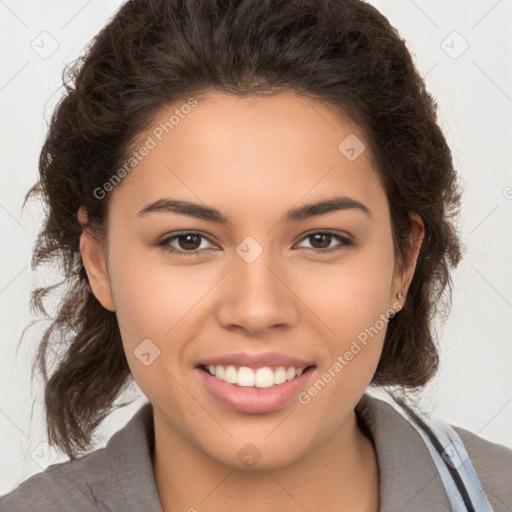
{"x": 352, "y": 295}
{"x": 155, "y": 307}
{"x": 150, "y": 294}
{"x": 352, "y": 300}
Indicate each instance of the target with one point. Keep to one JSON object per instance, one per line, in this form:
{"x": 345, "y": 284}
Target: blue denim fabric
{"x": 455, "y": 455}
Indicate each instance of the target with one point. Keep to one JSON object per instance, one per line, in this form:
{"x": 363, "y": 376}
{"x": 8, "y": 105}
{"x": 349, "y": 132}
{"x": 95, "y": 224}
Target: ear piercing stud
{"x": 399, "y": 295}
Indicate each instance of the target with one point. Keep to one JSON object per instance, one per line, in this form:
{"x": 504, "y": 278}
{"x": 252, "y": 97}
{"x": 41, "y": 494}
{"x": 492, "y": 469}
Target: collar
{"x": 408, "y": 478}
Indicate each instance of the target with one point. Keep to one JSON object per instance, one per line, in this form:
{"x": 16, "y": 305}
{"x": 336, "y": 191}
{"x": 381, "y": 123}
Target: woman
{"x": 252, "y": 204}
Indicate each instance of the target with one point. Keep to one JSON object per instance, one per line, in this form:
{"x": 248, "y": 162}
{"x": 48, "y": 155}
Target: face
{"x": 189, "y": 290}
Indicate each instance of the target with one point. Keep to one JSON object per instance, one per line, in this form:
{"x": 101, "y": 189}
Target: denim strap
{"x": 453, "y": 455}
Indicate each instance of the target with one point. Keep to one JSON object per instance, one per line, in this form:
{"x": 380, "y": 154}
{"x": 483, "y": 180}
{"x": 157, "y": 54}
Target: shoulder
{"x": 408, "y": 465}
{"x": 493, "y": 465}
{"x": 86, "y": 483}
{"x": 60, "y": 487}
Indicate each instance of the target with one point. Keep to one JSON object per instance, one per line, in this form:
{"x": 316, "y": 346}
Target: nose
{"x": 257, "y": 296}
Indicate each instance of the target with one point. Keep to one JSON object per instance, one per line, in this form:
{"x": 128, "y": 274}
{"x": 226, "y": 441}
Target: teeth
{"x": 230, "y": 375}
{"x": 261, "y": 378}
{"x": 245, "y": 377}
{"x": 280, "y": 375}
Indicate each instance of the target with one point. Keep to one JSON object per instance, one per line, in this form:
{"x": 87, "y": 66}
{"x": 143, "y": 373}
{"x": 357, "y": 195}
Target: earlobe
{"x": 91, "y": 250}
{"x": 404, "y": 275}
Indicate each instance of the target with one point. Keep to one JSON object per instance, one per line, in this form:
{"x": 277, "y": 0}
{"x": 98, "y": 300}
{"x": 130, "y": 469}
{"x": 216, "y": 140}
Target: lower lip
{"x": 253, "y": 399}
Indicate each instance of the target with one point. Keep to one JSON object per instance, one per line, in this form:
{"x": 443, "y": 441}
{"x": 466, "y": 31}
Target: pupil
{"x": 326, "y": 239}
{"x": 188, "y": 244}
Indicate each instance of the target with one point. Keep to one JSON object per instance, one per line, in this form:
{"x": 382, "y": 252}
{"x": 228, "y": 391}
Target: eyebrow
{"x": 168, "y": 205}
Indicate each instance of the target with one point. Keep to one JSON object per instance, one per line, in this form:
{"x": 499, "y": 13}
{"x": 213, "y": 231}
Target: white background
{"x": 474, "y": 93}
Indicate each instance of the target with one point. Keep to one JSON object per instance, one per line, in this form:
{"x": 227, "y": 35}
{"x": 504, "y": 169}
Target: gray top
{"x": 120, "y": 478}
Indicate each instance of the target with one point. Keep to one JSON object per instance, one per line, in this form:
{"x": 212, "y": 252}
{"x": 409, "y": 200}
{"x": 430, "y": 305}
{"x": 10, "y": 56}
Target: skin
{"x": 253, "y": 159}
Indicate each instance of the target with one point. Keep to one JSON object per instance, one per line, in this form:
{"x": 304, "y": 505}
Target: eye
{"x": 188, "y": 244}
{"x": 321, "y": 241}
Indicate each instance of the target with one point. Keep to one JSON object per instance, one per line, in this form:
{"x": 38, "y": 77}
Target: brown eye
{"x": 189, "y": 242}
{"x": 320, "y": 241}
{"x": 184, "y": 244}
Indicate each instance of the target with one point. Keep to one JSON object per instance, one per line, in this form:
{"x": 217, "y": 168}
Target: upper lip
{"x": 253, "y": 360}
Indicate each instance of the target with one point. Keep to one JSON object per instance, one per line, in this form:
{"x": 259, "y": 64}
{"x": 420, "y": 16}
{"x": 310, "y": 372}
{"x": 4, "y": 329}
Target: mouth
{"x": 254, "y": 390}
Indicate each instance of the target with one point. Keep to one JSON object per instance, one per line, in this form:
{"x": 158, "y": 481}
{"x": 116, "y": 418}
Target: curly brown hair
{"x": 153, "y": 53}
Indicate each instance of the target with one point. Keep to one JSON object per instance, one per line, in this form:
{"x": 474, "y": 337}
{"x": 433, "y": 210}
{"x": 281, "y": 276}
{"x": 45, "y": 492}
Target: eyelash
{"x": 197, "y": 252}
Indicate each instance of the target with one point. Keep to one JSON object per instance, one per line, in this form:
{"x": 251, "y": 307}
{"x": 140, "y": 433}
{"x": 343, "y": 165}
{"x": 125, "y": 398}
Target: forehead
{"x": 271, "y": 149}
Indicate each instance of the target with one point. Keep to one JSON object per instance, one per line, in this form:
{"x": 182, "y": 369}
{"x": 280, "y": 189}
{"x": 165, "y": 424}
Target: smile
{"x": 264, "y": 377}
{"x": 255, "y": 390}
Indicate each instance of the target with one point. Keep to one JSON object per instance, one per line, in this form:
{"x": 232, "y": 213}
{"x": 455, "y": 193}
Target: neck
{"x": 339, "y": 474}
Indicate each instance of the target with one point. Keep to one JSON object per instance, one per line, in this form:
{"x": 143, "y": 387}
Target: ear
{"x": 404, "y": 270}
{"x": 92, "y": 251}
